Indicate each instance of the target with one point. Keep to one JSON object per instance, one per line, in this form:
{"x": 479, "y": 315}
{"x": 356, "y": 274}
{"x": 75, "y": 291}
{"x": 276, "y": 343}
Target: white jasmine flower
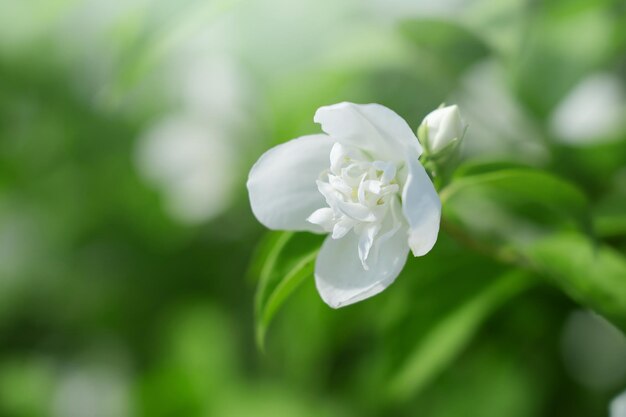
{"x": 361, "y": 182}
{"x": 442, "y": 129}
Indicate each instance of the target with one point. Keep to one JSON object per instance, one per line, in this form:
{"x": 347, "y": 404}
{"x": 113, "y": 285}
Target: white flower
{"x": 441, "y": 128}
{"x": 363, "y": 183}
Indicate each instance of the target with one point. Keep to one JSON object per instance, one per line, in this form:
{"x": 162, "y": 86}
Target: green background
{"x": 129, "y": 256}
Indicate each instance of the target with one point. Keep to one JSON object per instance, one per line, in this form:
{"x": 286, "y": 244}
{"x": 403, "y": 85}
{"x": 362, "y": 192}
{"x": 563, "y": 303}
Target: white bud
{"x": 441, "y": 130}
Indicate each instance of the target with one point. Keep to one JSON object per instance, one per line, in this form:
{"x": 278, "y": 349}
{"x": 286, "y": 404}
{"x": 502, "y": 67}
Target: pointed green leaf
{"x": 283, "y": 262}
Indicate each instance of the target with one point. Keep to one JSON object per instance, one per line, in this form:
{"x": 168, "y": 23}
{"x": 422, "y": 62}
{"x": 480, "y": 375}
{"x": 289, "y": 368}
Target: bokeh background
{"x": 127, "y": 129}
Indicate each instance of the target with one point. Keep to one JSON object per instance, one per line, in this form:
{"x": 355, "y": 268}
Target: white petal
{"x": 366, "y": 241}
{"x": 327, "y": 191}
{"x": 339, "y": 154}
{"x": 342, "y": 227}
{"x": 338, "y": 184}
{"x": 340, "y": 277}
{"x": 371, "y": 127}
{"x": 389, "y": 170}
{"x": 354, "y": 210}
{"x": 323, "y": 217}
{"x": 282, "y": 184}
{"x": 421, "y": 207}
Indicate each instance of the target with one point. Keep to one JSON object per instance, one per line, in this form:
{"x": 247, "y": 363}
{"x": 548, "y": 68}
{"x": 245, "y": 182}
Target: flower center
{"x": 359, "y": 193}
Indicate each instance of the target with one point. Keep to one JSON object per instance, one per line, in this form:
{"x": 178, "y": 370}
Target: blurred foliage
{"x": 129, "y": 256}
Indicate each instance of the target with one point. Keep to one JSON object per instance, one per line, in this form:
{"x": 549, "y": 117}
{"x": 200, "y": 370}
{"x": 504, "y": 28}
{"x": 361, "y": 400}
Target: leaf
{"x": 541, "y": 223}
{"x": 453, "y": 45}
{"x": 514, "y": 206}
{"x": 560, "y": 49}
{"x": 266, "y": 252}
{"x": 283, "y": 262}
{"x": 609, "y": 216}
{"x": 593, "y": 275}
{"x": 526, "y": 183}
{"x": 482, "y": 167}
{"x": 444, "y": 340}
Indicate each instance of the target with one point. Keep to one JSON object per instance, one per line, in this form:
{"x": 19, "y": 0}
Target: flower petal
{"x": 371, "y": 127}
{"x": 366, "y": 241}
{"x": 342, "y": 227}
{"x": 340, "y": 277}
{"x": 421, "y": 207}
{"x": 281, "y": 185}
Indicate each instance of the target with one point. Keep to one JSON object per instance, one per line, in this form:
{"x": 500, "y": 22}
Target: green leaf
{"x": 514, "y": 206}
{"x": 283, "y": 262}
{"x": 452, "y": 45}
{"x": 266, "y": 253}
{"x": 483, "y": 167}
{"x": 559, "y": 49}
{"x": 539, "y": 222}
{"x": 447, "y": 336}
{"x": 609, "y": 216}
{"x": 593, "y": 275}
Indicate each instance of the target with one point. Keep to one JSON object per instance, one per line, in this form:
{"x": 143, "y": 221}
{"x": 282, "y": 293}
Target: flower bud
{"x": 441, "y": 130}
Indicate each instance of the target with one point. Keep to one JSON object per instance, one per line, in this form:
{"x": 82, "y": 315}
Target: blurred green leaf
{"x": 448, "y": 335}
{"x": 266, "y": 253}
{"x": 197, "y": 364}
{"x": 498, "y": 212}
{"x": 454, "y": 46}
{"x": 26, "y": 386}
{"x": 594, "y": 275}
{"x": 609, "y": 216}
{"x": 561, "y": 47}
{"x": 481, "y": 167}
{"x": 494, "y": 369}
{"x": 285, "y": 262}
{"x": 526, "y": 183}
{"x": 514, "y": 206}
